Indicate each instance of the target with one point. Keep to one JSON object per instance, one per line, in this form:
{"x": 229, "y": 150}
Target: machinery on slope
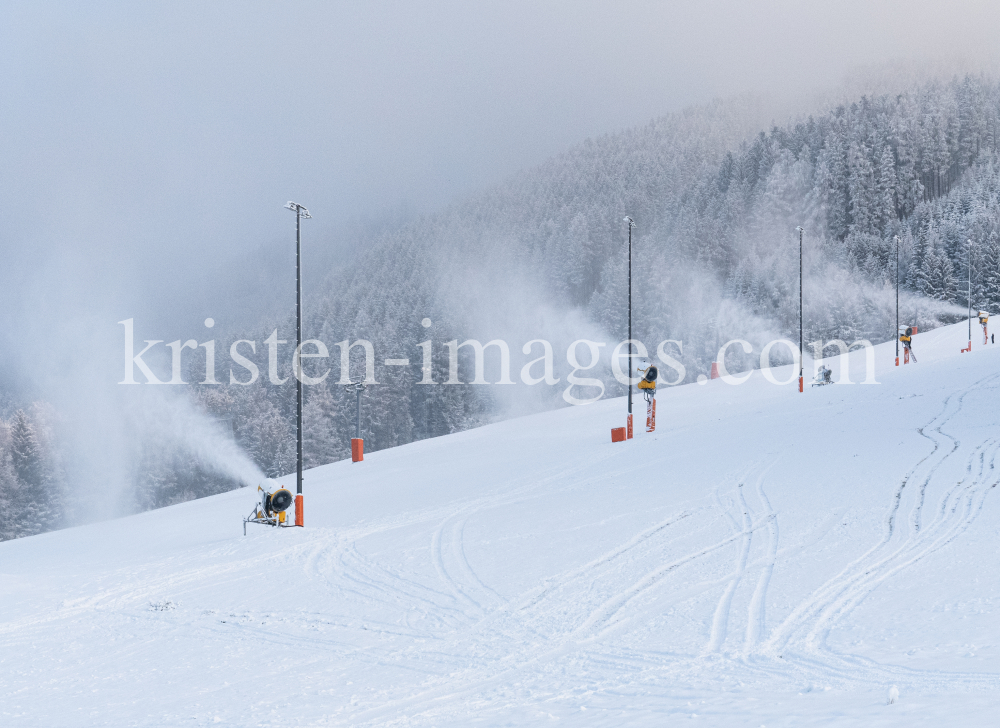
{"x": 648, "y": 388}
{"x": 272, "y": 506}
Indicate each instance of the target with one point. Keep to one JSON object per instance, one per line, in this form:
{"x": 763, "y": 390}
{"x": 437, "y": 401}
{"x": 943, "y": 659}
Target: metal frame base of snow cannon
{"x": 277, "y": 519}
{"x": 272, "y": 507}
{"x": 649, "y": 394}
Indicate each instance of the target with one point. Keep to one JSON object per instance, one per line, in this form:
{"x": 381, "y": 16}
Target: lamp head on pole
{"x": 630, "y": 221}
{"x": 298, "y": 209}
{"x": 800, "y": 228}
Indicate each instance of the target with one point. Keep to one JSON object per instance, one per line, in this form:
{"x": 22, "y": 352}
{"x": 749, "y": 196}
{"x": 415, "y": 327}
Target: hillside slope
{"x": 765, "y": 557}
{"x": 716, "y": 195}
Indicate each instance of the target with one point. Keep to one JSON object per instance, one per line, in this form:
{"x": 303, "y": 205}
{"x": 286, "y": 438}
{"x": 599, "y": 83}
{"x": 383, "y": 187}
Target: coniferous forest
{"x": 716, "y": 198}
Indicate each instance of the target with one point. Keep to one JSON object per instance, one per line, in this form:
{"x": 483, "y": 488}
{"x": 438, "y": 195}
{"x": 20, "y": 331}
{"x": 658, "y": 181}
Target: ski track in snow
{"x": 609, "y": 616}
{"x": 821, "y": 597}
{"x": 437, "y": 551}
{"x": 756, "y": 607}
{"x": 969, "y": 498}
{"x": 340, "y": 563}
{"x": 605, "y": 615}
{"x": 960, "y": 504}
{"x": 757, "y": 611}
{"x": 720, "y": 619}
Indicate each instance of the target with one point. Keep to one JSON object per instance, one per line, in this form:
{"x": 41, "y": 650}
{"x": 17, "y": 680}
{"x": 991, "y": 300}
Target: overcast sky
{"x": 144, "y": 147}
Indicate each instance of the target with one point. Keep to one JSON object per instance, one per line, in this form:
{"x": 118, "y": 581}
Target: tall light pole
{"x": 300, "y": 212}
{"x": 799, "y": 228}
{"x": 897, "y": 300}
{"x": 631, "y": 224}
{"x": 357, "y": 444}
{"x": 969, "y": 266}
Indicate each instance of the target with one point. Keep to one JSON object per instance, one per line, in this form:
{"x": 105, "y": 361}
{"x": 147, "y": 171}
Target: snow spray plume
{"x": 105, "y": 431}
{"x": 173, "y": 423}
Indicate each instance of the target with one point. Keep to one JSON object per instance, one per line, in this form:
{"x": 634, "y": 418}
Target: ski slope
{"x": 765, "y": 558}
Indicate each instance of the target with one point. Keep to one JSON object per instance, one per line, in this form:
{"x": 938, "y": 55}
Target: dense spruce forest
{"x": 543, "y": 256}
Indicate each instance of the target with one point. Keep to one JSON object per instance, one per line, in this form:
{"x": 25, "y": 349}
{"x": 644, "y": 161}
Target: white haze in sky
{"x": 146, "y": 149}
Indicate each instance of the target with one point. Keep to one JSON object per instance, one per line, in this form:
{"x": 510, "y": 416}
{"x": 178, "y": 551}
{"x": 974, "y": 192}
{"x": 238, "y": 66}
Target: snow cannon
{"x": 274, "y": 498}
{"x": 906, "y": 334}
{"x": 273, "y": 502}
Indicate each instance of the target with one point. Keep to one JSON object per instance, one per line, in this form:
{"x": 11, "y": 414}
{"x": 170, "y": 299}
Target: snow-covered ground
{"x": 765, "y": 558}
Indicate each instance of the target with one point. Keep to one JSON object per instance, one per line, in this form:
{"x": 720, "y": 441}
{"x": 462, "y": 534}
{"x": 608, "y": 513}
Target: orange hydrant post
{"x": 299, "y": 519}
{"x": 357, "y": 449}
{"x": 617, "y": 434}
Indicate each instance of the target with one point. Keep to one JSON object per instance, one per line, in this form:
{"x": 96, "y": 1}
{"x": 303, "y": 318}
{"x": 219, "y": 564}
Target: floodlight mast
{"x": 631, "y": 224}
{"x": 358, "y": 388}
{"x": 300, "y": 212}
{"x": 897, "y": 300}
{"x": 799, "y": 228}
{"x": 969, "y": 241}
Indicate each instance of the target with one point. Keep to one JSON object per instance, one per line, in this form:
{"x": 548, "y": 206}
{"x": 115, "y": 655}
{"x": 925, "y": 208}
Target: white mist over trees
{"x": 715, "y": 257}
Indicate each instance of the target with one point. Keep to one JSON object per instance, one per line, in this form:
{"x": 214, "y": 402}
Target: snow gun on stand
{"x": 823, "y": 377}
{"x": 906, "y": 334}
{"x": 273, "y": 503}
{"x": 984, "y": 317}
{"x": 648, "y": 388}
